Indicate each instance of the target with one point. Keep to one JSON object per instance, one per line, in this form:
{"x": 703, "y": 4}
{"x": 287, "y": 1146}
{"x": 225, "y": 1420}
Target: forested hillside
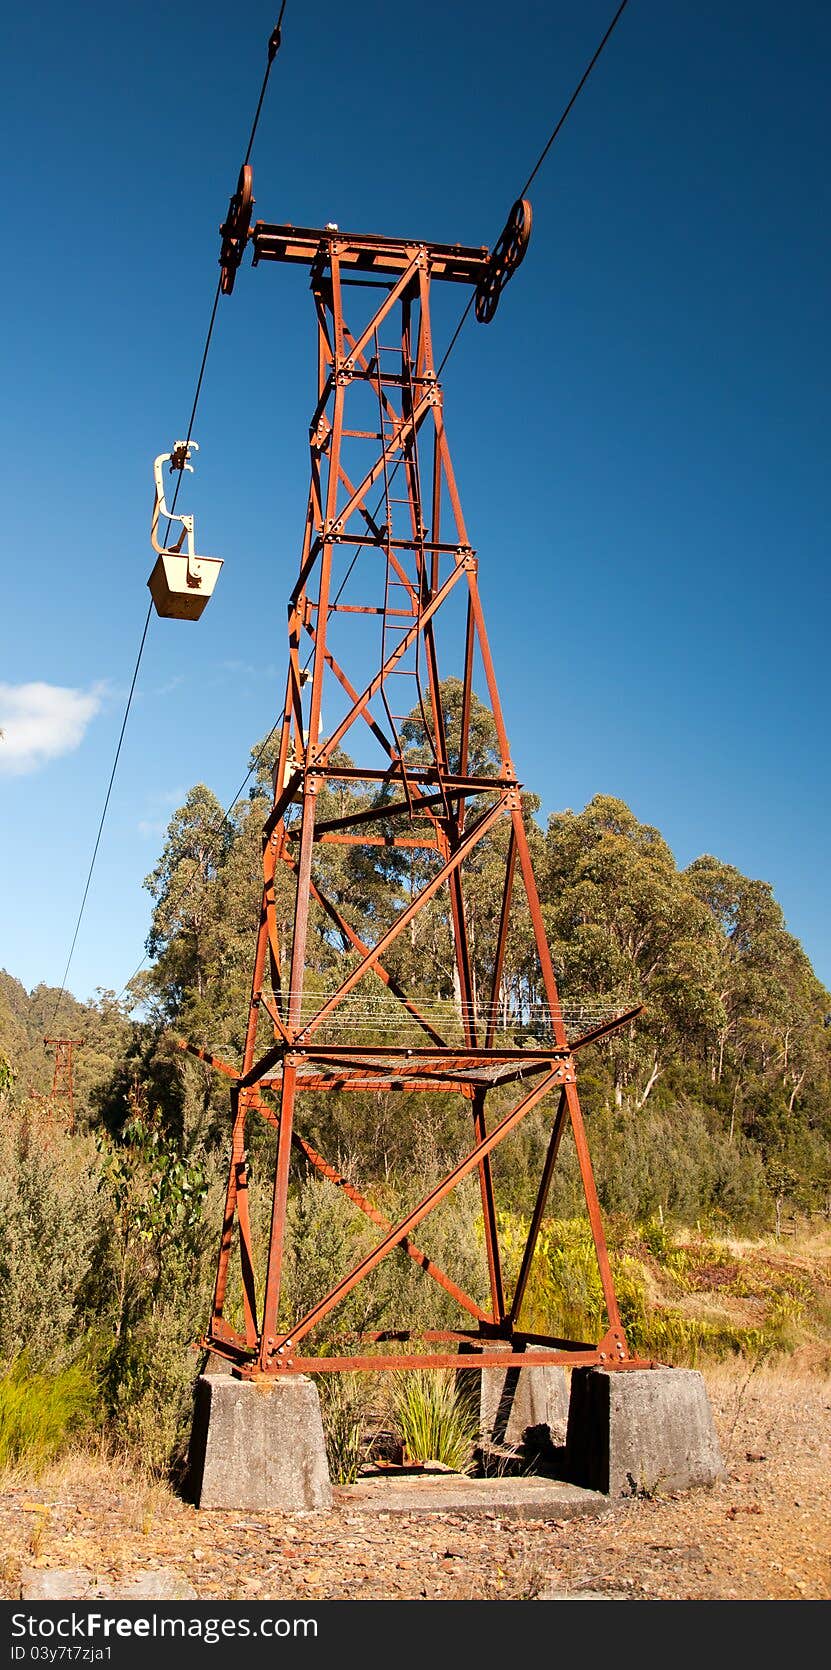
{"x": 712, "y": 1112}
{"x": 732, "y": 1051}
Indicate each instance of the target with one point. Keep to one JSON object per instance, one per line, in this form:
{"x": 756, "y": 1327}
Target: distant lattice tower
{"x": 62, "y": 1084}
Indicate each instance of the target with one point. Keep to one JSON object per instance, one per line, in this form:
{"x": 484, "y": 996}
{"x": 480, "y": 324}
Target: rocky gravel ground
{"x": 761, "y": 1534}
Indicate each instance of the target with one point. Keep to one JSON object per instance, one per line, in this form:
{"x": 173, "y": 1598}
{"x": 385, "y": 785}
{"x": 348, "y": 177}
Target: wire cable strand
{"x": 541, "y": 159}
{"x": 273, "y": 48}
{"x": 104, "y": 810}
{"x": 472, "y": 297}
{"x": 215, "y": 830}
{"x": 573, "y": 100}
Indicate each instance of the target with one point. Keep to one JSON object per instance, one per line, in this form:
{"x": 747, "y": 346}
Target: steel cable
{"x": 104, "y": 811}
{"x": 457, "y": 332}
{"x": 214, "y": 830}
{"x": 541, "y": 159}
{"x": 273, "y": 48}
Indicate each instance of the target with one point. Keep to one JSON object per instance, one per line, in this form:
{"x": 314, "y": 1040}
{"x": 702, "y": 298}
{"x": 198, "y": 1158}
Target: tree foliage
{"x": 714, "y": 1104}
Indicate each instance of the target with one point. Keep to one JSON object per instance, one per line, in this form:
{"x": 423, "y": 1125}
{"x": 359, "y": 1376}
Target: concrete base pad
{"x": 513, "y": 1399}
{"x": 79, "y": 1583}
{"x": 258, "y": 1444}
{"x": 641, "y": 1431}
{"x": 525, "y": 1498}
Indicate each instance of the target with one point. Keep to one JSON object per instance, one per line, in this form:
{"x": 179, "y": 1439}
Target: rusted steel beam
{"x": 417, "y": 1215}
{"x": 409, "y": 1247}
{"x": 467, "y": 696}
{"x": 606, "y": 1028}
{"x": 414, "y": 1054}
{"x": 539, "y": 1208}
{"x": 428, "y": 774}
{"x": 324, "y": 754}
{"x": 278, "y": 1216}
{"x": 450, "y": 1360}
{"x": 593, "y": 1209}
{"x": 492, "y": 1251}
{"x": 337, "y": 529}
{"x": 358, "y": 1075}
{"x": 397, "y": 292}
{"x": 421, "y": 1084}
{"x": 356, "y": 498}
{"x": 390, "y": 842}
{"x": 435, "y": 547}
{"x": 457, "y": 263}
{"x": 266, "y": 934}
{"x": 354, "y": 1082}
{"x": 409, "y": 575}
{"x": 355, "y": 940}
{"x": 566, "y": 1356}
{"x": 403, "y": 919}
{"x": 414, "y": 1088}
{"x": 393, "y": 809}
{"x": 235, "y": 1210}
{"x": 426, "y": 1263}
{"x": 409, "y": 1057}
{"x": 501, "y": 938}
{"x": 303, "y": 1034}
{"x": 540, "y": 936}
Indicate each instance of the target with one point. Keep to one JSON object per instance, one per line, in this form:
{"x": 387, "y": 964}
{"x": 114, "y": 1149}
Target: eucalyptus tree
{"x": 197, "y": 843}
{"x": 628, "y": 929}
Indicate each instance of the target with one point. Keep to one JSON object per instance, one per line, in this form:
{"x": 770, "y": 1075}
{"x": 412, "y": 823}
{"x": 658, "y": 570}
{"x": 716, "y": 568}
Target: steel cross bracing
{"x": 63, "y": 1089}
{"x": 385, "y": 608}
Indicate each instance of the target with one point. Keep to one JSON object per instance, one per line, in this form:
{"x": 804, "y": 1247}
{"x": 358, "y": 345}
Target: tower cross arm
{"x": 367, "y": 252}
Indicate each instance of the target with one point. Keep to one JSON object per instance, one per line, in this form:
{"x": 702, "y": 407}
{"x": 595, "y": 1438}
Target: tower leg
{"x": 278, "y": 1216}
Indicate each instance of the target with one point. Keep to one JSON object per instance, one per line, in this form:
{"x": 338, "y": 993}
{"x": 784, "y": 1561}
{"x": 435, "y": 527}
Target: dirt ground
{"x": 764, "y": 1533}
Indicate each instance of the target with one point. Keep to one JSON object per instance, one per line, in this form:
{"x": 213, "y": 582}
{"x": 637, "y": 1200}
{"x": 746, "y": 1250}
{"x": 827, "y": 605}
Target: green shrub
{"x": 326, "y": 1236}
{"x": 49, "y": 1212}
{"x": 40, "y": 1413}
{"x": 149, "y": 1386}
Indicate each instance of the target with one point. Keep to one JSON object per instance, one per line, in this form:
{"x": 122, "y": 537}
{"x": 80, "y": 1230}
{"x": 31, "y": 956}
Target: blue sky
{"x": 639, "y": 437}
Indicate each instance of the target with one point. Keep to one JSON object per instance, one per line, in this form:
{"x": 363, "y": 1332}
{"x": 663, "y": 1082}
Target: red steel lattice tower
{"x": 62, "y": 1083}
{"x": 387, "y": 606}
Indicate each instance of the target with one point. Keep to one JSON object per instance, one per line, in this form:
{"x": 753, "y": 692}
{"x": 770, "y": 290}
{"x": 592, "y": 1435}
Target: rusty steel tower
{"x": 63, "y": 1089}
{"x": 386, "y": 609}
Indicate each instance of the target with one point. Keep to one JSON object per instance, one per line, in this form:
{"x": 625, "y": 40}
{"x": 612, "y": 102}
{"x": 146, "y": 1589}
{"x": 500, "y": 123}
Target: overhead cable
{"x": 540, "y": 160}
{"x": 273, "y": 48}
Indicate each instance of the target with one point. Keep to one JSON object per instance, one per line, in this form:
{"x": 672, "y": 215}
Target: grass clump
{"x": 41, "y": 1413}
{"x": 342, "y": 1412}
{"x": 436, "y": 1422}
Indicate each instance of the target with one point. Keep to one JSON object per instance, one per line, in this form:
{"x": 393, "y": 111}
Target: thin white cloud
{"x": 147, "y": 826}
{"x": 40, "y": 722}
{"x": 247, "y": 669}
{"x": 163, "y": 801}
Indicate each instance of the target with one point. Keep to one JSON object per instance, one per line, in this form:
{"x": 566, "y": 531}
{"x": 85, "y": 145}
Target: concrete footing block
{"x": 641, "y": 1431}
{"x": 513, "y": 1399}
{"x": 79, "y": 1583}
{"x": 258, "y": 1444}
